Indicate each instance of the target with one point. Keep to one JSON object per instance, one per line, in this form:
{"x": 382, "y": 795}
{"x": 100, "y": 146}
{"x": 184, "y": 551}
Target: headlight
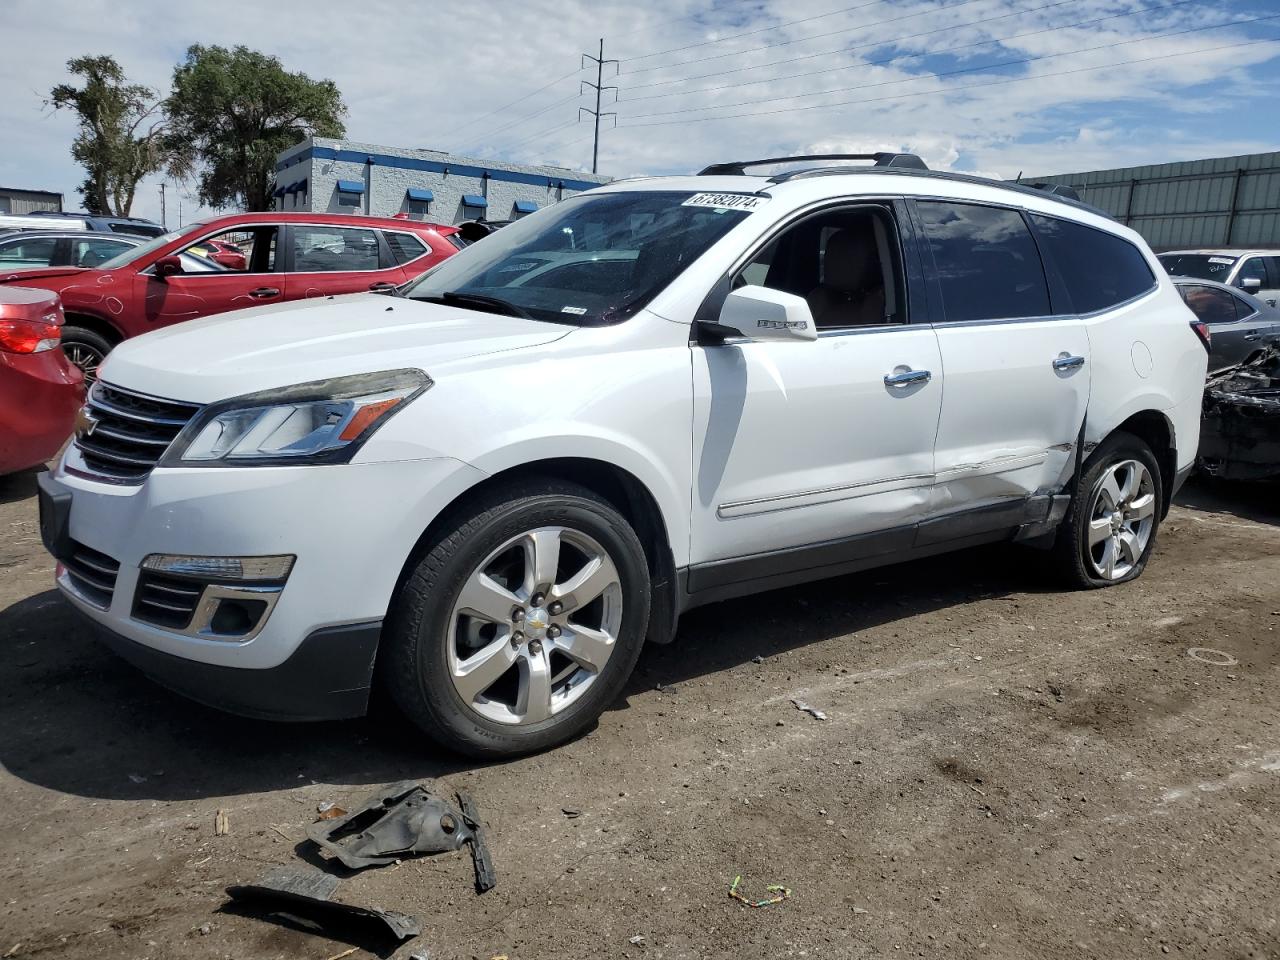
{"x": 324, "y": 421}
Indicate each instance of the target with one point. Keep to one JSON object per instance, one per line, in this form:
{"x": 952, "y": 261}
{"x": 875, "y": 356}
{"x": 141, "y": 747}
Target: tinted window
{"x": 1252, "y": 269}
{"x": 27, "y": 253}
{"x": 1273, "y": 269}
{"x": 1210, "y": 304}
{"x": 1099, "y": 269}
{"x": 405, "y": 247}
{"x": 332, "y": 249}
{"x": 986, "y": 261}
{"x": 95, "y": 251}
{"x": 1202, "y": 266}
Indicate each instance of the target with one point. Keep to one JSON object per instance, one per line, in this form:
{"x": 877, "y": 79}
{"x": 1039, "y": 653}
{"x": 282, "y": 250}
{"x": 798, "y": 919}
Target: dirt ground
{"x": 1008, "y": 771}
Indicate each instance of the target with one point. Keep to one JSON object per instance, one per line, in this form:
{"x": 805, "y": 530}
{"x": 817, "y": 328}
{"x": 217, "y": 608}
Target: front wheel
{"x": 1110, "y": 529}
{"x": 86, "y": 350}
{"x": 521, "y": 623}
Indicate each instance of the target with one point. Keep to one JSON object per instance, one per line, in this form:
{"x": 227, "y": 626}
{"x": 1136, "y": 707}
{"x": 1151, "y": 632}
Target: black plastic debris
{"x": 300, "y": 899}
{"x": 406, "y": 820}
{"x": 1240, "y": 428}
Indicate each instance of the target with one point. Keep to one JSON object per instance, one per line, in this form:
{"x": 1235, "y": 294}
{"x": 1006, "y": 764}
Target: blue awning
{"x": 279, "y": 191}
{"x": 298, "y": 186}
{"x": 525, "y": 206}
{"x": 417, "y": 194}
{"x": 474, "y": 200}
{"x": 350, "y": 186}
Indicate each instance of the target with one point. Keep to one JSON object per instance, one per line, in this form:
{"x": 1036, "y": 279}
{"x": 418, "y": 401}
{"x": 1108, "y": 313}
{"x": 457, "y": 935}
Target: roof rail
{"x": 738, "y": 168}
{"x": 1057, "y": 190}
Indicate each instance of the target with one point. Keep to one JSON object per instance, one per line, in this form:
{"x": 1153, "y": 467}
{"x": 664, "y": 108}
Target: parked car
{"x": 495, "y": 491}
{"x": 57, "y": 248}
{"x": 1241, "y": 326}
{"x": 293, "y": 256}
{"x": 1240, "y": 431}
{"x": 134, "y": 226}
{"x": 10, "y": 222}
{"x": 1256, "y": 272}
{"x": 228, "y": 255}
{"x": 40, "y": 391}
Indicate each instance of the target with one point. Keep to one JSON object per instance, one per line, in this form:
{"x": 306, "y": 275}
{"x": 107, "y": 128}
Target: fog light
{"x": 247, "y": 569}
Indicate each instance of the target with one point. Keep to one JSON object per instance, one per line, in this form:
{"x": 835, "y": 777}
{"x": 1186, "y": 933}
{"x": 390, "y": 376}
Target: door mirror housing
{"x": 761, "y": 313}
{"x": 168, "y": 266}
{"x": 1250, "y": 284}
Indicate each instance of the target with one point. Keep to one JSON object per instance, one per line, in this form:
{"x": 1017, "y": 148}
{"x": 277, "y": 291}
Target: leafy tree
{"x": 121, "y": 132}
{"x": 233, "y": 111}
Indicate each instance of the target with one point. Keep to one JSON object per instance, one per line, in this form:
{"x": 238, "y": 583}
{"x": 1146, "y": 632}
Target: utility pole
{"x": 163, "y": 222}
{"x": 599, "y": 61}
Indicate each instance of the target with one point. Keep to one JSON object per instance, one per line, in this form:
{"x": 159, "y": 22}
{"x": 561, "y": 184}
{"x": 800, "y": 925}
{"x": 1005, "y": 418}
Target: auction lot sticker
{"x": 726, "y": 201}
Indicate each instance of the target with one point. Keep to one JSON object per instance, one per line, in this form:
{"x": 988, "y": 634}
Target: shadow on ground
{"x": 1249, "y": 501}
{"x": 76, "y": 719}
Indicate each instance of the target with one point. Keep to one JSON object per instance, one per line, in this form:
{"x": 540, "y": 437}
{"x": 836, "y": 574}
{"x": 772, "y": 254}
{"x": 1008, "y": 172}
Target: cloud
{"x": 423, "y": 74}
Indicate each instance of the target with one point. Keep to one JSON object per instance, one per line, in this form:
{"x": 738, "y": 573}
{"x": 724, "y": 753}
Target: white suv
{"x": 483, "y": 496}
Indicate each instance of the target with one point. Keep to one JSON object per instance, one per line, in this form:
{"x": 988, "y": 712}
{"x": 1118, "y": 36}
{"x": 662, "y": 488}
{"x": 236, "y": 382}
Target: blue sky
{"x": 1109, "y": 82}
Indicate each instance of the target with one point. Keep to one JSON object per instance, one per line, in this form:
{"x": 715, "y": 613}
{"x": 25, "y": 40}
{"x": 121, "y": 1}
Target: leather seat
{"x": 852, "y": 289}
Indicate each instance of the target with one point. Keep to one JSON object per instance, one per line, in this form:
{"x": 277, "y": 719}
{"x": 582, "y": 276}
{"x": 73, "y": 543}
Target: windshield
{"x": 126, "y": 258}
{"x": 592, "y": 260}
{"x": 1202, "y": 266}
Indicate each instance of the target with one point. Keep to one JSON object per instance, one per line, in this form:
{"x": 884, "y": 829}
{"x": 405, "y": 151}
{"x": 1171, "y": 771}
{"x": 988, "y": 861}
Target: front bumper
{"x": 350, "y": 526}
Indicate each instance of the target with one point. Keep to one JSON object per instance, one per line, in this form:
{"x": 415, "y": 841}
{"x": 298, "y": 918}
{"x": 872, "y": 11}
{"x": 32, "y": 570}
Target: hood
{"x": 24, "y": 274}
{"x": 230, "y": 354}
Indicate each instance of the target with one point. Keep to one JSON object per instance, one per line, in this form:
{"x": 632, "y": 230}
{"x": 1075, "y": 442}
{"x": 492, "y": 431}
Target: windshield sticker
{"x": 576, "y": 311}
{"x": 725, "y": 201}
{"x": 1227, "y": 260}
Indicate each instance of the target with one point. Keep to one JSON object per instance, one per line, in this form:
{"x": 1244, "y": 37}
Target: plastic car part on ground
{"x": 779, "y": 892}
{"x": 1240, "y": 429}
{"x": 401, "y": 821}
{"x": 300, "y": 898}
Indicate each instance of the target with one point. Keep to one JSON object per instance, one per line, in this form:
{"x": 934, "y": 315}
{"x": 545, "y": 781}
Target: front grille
{"x": 92, "y": 574}
{"x": 166, "y": 601}
{"x": 131, "y": 434}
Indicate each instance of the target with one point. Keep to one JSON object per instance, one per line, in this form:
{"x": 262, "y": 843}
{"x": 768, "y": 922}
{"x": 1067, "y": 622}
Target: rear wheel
{"x": 521, "y": 623}
{"x": 86, "y": 349}
{"x": 1110, "y": 529}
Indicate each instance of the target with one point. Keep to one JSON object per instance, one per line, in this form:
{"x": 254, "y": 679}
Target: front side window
{"x": 1100, "y": 270}
{"x": 1252, "y": 269}
{"x": 240, "y": 249}
{"x": 324, "y": 249}
{"x": 592, "y": 260}
{"x": 1209, "y": 304}
{"x": 845, "y": 263}
{"x": 20, "y": 252}
{"x": 986, "y": 262}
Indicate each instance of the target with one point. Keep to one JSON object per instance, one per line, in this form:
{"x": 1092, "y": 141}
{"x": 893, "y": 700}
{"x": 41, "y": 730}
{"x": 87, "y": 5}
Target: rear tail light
{"x": 31, "y": 336}
{"x": 1202, "y": 331}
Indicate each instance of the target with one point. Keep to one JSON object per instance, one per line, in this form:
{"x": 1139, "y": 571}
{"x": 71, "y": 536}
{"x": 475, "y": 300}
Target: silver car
{"x": 1240, "y": 326}
{"x": 1253, "y": 271}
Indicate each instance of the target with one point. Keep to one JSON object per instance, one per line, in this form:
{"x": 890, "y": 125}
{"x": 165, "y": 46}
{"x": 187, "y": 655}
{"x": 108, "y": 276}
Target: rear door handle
{"x": 263, "y": 293}
{"x": 382, "y": 287}
{"x": 908, "y": 378}
{"x": 1068, "y": 363}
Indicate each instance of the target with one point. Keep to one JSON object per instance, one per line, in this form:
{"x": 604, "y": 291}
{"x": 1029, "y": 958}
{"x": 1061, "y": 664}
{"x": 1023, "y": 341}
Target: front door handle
{"x": 1068, "y": 363}
{"x": 263, "y": 293}
{"x": 382, "y": 287}
{"x": 908, "y": 378}
{"x": 1251, "y": 335}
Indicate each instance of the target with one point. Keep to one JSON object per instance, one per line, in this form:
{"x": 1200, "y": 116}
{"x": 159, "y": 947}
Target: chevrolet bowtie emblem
{"x": 86, "y": 423}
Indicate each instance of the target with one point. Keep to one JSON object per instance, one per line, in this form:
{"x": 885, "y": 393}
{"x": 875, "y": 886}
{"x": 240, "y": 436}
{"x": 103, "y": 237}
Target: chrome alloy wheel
{"x": 1121, "y": 517}
{"x": 534, "y": 625}
{"x": 86, "y": 358}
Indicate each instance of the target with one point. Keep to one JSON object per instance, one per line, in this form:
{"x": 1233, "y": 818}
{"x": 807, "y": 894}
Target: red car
{"x": 286, "y": 256}
{"x": 225, "y": 254}
{"x": 40, "y": 391}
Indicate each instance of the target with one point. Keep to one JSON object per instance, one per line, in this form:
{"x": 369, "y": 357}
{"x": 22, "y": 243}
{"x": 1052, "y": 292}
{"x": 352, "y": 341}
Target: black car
{"x": 1240, "y": 325}
{"x": 131, "y": 226}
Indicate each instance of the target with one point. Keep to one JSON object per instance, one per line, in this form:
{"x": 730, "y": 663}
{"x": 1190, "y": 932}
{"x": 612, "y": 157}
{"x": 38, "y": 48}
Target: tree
{"x": 233, "y": 111}
{"x": 121, "y": 132}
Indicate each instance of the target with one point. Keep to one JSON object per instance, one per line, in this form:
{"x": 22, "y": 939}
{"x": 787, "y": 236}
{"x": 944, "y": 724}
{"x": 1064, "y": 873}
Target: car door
{"x": 325, "y": 259}
{"x": 814, "y": 454}
{"x": 1017, "y": 375}
{"x": 1251, "y": 277}
{"x": 20, "y": 252}
{"x": 1230, "y": 339}
{"x": 205, "y": 288}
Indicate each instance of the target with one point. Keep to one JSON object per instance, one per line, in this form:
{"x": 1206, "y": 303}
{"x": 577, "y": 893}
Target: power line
{"x": 527, "y": 96}
{"x": 904, "y": 56}
{"x": 816, "y": 36}
{"x": 969, "y": 86}
{"x": 962, "y": 70}
{"x": 532, "y": 116}
{"x": 541, "y": 133}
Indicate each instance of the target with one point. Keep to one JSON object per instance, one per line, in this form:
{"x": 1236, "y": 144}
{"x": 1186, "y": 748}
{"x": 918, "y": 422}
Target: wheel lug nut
{"x": 517, "y": 614}
{"x": 517, "y": 638}
{"x": 537, "y": 600}
{"x": 556, "y": 608}
{"x": 535, "y": 646}
{"x": 553, "y": 631}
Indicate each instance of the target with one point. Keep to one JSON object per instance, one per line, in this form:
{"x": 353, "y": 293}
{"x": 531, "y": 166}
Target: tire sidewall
{"x": 462, "y": 727}
{"x": 1117, "y": 447}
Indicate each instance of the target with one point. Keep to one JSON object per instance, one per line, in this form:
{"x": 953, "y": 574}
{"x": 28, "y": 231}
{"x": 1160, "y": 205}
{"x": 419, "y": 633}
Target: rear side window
{"x": 1100, "y": 270}
{"x": 1273, "y": 272}
{"x": 323, "y": 249}
{"x": 405, "y": 247}
{"x": 986, "y": 261}
{"x": 1209, "y": 304}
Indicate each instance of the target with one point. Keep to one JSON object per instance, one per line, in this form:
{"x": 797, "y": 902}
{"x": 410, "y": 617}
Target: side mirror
{"x": 1250, "y": 284}
{"x": 761, "y": 313}
{"x": 168, "y": 266}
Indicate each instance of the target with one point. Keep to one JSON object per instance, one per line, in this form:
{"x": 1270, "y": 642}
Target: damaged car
{"x": 1240, "y": 431}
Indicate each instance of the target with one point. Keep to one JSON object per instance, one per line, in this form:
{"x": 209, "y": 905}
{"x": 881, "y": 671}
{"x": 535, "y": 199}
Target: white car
{"x": 1256, "y": 272}
{"x": 484, "y": 496}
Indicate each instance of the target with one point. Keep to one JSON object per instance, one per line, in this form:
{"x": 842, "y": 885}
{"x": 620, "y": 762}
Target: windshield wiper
{"x": 495, "y": 304}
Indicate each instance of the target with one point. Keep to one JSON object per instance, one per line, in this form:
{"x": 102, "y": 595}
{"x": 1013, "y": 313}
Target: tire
{"x": 86, "y": 349}
{"x": 1081, "y": 549}
{"x": 436, "y": 643}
